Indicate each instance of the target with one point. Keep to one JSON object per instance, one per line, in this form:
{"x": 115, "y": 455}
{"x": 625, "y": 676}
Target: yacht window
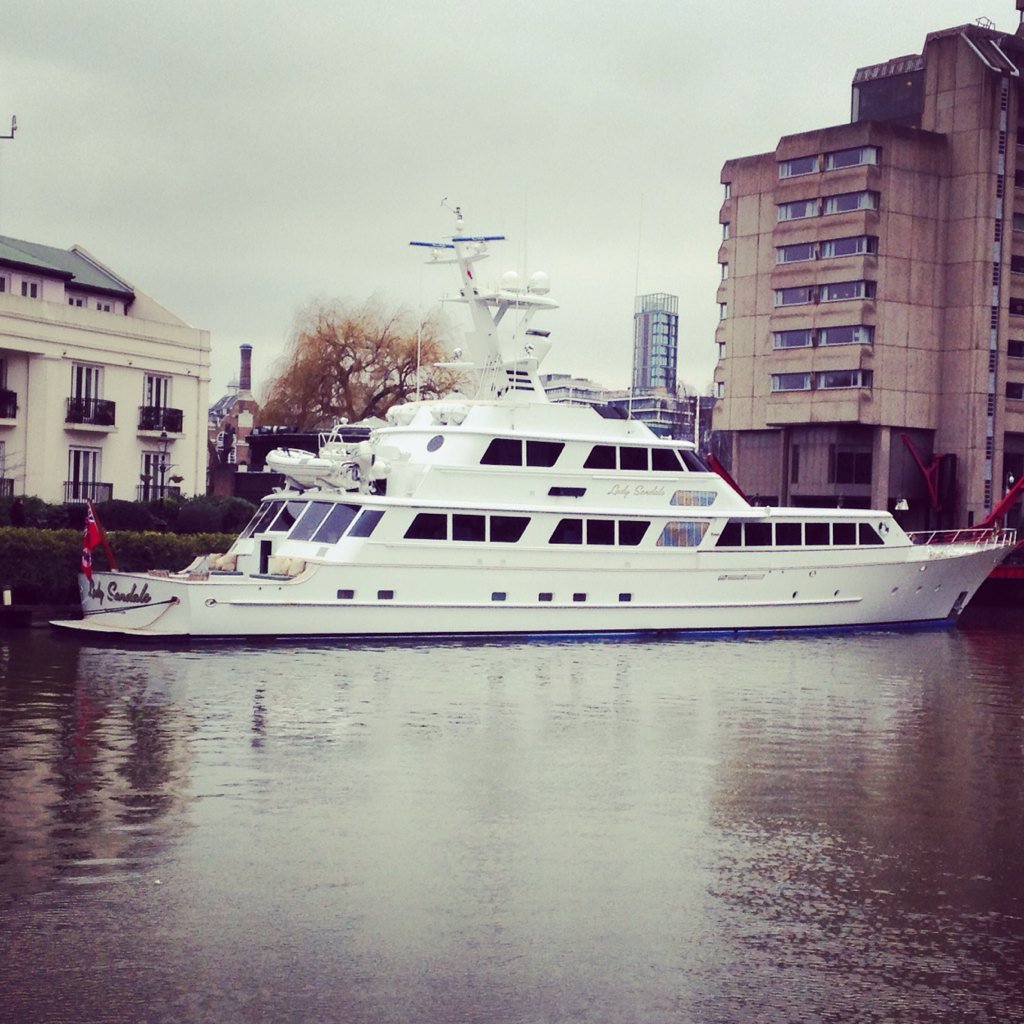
{"x": 868, "y": 534}
{"x": 366, "y": 523}
{"x": 543, "y": 453}
{"x": 702, "y": 498}
{"x": 600, "y": 531}
{"x": 602, "y": 456}
{"x": 313, "y": 517}
{"x": 664, "y": 460}
{"x": 816, "y": 533}
{"x": 633, "y": 458}
{"x": 503, "y": 451}
{"x": 632, "y": 531}
{"x": 545, "y": 597}
{"x": 507, "y": 529}
{"x": 498, "y": 595}
{"x": 789, "y": 534}
{"x": 259, "y": 522}
{"x": 682, "y": 533}
{"x": 757, "y": 535}
{"x": 567, "y": 492}
{"x": 435, "y": 442}
{"x": 290, "y": 512}
{"x": 334, "y": 525}
{"x": 568, "y": 531}
{"x": 385, "y": 595}
{"x": 466, "y": 527}
{"x": 428, "y": 526}
{"x": 844, "y": 533}
{"x": 732, "y": 535}
{"x": 579, "y": 598}
{"x": 346, "y": 595}
{"x": 625, "y": 598}
{"x": 692, "y": 461}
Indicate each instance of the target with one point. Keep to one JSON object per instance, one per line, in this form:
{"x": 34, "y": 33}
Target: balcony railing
{"x": 96, "y": 411}
{"x": 155, "y": 417}
{"x": 76, "y": 491}
{"x": 8, "y": 404}
{"x": 153, "y": 492}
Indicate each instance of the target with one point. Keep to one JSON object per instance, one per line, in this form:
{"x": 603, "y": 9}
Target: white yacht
{"x": 503, "y": 513}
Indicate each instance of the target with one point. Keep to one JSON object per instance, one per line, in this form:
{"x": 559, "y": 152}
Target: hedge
{"x": 42, "y": 566}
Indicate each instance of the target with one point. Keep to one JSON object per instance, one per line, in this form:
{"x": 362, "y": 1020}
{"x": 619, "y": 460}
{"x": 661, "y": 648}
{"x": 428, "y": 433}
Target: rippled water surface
{"x": 809, "y": 828}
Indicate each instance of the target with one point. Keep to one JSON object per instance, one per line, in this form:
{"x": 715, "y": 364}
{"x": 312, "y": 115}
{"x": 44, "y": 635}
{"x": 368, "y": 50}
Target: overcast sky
{"x": 236, "y": 160}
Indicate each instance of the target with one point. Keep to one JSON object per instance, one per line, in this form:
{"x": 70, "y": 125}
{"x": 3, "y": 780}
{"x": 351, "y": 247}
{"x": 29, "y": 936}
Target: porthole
{"x": 435, "y": 442}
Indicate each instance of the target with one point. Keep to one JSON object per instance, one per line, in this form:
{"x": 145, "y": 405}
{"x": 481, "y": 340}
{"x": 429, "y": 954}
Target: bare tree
{"x": 354, "y": 363}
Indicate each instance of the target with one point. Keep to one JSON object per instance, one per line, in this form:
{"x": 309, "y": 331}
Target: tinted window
{"x": 290, "y": 512}
{"x": 844, "y": 533}
{"x": 366, "y": 523}
{"x": 334, "y": 525}
{"x": 788, "y": 534}
{"x": 633, "y": 458}
{"x": 465, "y": 527}
{"x": 507, "y": 529}
{"x": 543, "y": 453}
{"x": 632, "y": 531}
{"x": 692, "y": 461}
{"x": 503, "y": 451}
{"x": 602, "y": 456}
{"x": 663, "y": 460}
{"x": 868, "y": 534}
{"x": 312, "y": 518}
{"x": 600, "y": 531}
{"x": 816, "y": 533}
{"x": 428, "y": 526}
{"x": 568, "y": 531}
{"x": 757, "y": 535}
{"x": 732, "y": 535}
{"x": 266, "y": 513}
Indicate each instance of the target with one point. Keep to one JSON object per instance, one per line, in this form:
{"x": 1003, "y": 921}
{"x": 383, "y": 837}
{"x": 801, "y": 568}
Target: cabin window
{"x": 498, "y": 595}
{"x": 692, "y": 461}
{"x": 568, "y": 531}
{"x": 334, "y": 525}
{"x": 366, "y": 523}
{"x": 789, "y": 534}
{"x": 567, "y": 492}
{"x": 602, "y": 456}
{"x": 258, "y": 523}
{"x": 732, "y": 535}
{"x": 816, "y": 533}
{"x": 699, "y": 498}
{"x": 844, "y": 533}
{"x": 601, "y": 531}
{"x": 290, "y": 512}
{"x": 346, "y": 595}
{"x": 757, "y": 535}
{"x": 625, "y": 598}
{"x": 385, "y": 595}
{"x": 632, "y": 531}
{"x": 681, "y": 533}
{"x": 507, "y": 529}
{"x": 579, "y": 598}
{"x": 633, "y": 458}
{"x": 664, "y": 460}
{"x": 503, "y": 451}
{"x": 466, "y": 527}
{"x": 545, "y": 597}
{"x": 313, "y": 517}
{"x": 867, "y": 534}
{"x": 543, "y": 453}
{"x": 428, "y": 526}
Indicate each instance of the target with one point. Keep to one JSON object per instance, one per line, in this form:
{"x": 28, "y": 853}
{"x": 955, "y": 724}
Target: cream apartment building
{"x": 103, "y": 392}
{"x": 871, "y": 335}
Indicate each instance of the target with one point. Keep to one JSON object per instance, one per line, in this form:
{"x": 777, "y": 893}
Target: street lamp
{"x": 165, "y": 442}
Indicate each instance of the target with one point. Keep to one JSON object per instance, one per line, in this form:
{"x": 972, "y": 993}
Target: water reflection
{"x": 772, "y": 829}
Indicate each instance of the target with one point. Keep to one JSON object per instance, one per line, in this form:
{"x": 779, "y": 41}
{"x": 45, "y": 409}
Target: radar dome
{"x": 510, "y": 282}
{"x": 540, "y": 283}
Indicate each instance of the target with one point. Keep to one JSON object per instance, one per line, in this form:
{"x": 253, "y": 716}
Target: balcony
{"x": 153, "y": 492}
{"x": 8, "y": 404}
{"x": 95, "y": 412}
{"x": 155, "y": 417}
{"x": 80, "y": 491}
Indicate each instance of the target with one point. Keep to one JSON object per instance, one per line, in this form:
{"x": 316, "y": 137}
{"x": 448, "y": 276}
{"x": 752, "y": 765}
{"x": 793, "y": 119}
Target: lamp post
{"x": 165, "y": 442}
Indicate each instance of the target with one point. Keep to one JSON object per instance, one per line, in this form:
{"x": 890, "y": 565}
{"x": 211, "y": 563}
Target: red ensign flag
{"x": 90, "y": 539}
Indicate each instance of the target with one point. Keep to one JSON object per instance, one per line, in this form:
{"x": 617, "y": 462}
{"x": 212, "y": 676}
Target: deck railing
{"x": 988, "y": 537}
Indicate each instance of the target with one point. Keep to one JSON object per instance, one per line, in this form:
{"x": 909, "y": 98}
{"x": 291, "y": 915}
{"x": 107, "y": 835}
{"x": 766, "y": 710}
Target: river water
{"x": 774, "y": 829}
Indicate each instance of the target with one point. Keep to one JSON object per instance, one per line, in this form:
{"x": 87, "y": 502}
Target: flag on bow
{"x": 90, "y": 539}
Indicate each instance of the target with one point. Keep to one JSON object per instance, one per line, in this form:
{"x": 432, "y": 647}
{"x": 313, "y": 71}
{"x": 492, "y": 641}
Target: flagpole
{"x": 107, "y": 550}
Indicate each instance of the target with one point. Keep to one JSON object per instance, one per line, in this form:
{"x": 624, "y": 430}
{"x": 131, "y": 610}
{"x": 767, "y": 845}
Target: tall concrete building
{"x": 655, "y": 343}
{"x": 871, "y": 335}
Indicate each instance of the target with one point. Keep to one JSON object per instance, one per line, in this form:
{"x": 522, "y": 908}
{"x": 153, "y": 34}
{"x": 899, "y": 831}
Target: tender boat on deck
{"x": 506, "y": 514}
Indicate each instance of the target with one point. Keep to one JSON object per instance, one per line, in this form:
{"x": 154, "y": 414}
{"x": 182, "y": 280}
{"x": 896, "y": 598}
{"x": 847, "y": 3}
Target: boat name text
{"x": 115, "y": 595}
{"x": 636, "y": 491}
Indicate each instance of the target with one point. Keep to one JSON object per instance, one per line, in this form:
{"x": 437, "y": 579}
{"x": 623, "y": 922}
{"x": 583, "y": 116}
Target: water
{"x": 812, "y": 828}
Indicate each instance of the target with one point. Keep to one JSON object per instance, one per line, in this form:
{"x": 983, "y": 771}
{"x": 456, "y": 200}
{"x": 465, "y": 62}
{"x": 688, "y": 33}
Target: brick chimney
{"x": 245, "y": 376}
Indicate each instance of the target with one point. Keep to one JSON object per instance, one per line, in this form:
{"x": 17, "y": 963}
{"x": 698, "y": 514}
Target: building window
{"x": 1017, "y": 264}
{"x": 791, "y": 382}
{"x": 3, "y": 282}
{"x": 76, "y": 300}
{"x": 840, "y": 290}
{"x": 725, "y": 271}
{"x": 852, "y": 157}
{"x": 1016, "y": 307}
{"x": 794, "y": 296}
{"x": 723, "y": 310}
{"x": 797, "y": 166}
{"x": 855, "y": 246}
{"x": 156, "y": 391}
{"x": 794, "y": 464}
{"x": 798, "y": 209}
{"x": 1018, "y": 222}
{"x": 852, "y": 334}
{"x": 795, "y": 253}
{"x": 103, "y": 306}
{"x": 83, "y": 474}
{"x": 30, "y": 289}
{"x": 1015, "y": 390}
{"x": 847, "y": 202}
{"x": 1015, "y": 349}
{"x": 830, "y": 380}
{"x": 727, "y": 185}
{"x": 719, "y": 387}
{"x": 725, "y": 231}
{"x": 792, "y": 339}
{"x": 848, "y": 465}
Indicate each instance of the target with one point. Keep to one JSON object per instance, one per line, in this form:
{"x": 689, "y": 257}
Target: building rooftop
{"x": 74, "y": 265}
